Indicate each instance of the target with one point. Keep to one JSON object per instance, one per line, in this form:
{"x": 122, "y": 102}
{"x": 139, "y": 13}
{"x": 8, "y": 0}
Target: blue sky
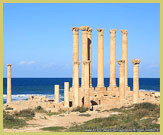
{"x": 38, "y": 37}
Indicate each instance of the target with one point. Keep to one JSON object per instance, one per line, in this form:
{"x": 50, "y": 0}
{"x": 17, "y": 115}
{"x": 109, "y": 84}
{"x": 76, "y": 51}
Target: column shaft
{"x": 135, "y": 80}
{"x": 121, "y": 80}
{"x": 76, "y": 84}
{"x": 56, "y": 93}
{"x": 100, "y": 81}
{"x": 112, "y": 58}
{"x": 84, "y": 50}
{"x": 75, "y": 48}
{"x": 8, "y": 83}
{"x": 90, "y": 55}
{"x": 66, "y": 94}
{"x": 125, "y": 54}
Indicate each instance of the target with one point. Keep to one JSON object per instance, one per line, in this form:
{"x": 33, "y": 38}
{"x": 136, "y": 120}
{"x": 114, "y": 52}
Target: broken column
{"x": 84, "y": 51}
{"x": 112, "y": 59}
{"x": 125, "y": 54}
{"x": 121, "y": 80}
{"x": 75, "y": 31}
{"x": 136, "y": 63}
{"x": 56, "y": 94}
{"x": 8, "y": 83}
{"x": 100, "y": 81}
{"x": 66, "y": 94}
{"x": 90, "y": 55}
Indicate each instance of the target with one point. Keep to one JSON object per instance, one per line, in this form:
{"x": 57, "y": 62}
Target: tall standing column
{"x": 100, "y": 81}
{"x": 66, "y": 94}
{"x": 8, "y": 83}
{"x": 90, "y": 55}
{"x": 112, "y": 59}
{"x": 84, "y": 50}
{"x": 76, "y": 83}
{"x": 135, "y": 80}
{"x": 56, "y": 94}
{"x": 121, "y": 80}
{"x": 75, "y": 31}
{"x": 125, "y": 54}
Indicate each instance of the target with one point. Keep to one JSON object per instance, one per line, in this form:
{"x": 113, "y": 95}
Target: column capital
{"x": 76, "y": 29}
{"x": 84, "y": 28}
{"x": 120, "y": 62}
{"x": 135, "y": 61}
{"x": 112, "y": 30}
{"x": 89, "y": 30}
{"x": 9, "y": 65}
{"x": 124, "y": 31}
{"x": 100, "y": 30}
{"x": 77, "y": 62}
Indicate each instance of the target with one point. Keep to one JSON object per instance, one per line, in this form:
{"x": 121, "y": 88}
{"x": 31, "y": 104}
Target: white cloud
{"x": 26, "y": 62}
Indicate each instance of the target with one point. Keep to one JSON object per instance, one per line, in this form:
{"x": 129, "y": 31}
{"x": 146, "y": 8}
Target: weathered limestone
{"x": 75, "y": 31}
{"x": 100, "y": 81}
{"x": 76, "y": 83}
{"x": 125, "y": 54}
{"x": 66, "y": 94}
{"x": 56, "y": 94}
{"x": 135, "y": 80}
{"x": 112, "y": 59}
{"x": 90, "y": 55}
{"x": 121, "y": 80}
{"x": 8, "y": 83}
{"x": 84, "y": 51}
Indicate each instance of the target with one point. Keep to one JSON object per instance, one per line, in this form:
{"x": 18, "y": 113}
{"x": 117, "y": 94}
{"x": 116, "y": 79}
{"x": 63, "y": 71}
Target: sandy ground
{"x": 66, "y": 120}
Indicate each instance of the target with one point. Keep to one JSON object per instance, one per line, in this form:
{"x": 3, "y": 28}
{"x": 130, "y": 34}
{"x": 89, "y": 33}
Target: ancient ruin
{"x": 86, "y": 95}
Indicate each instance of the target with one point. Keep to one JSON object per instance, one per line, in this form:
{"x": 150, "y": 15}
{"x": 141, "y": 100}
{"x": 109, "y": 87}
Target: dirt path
{"x": 65, "y": 120}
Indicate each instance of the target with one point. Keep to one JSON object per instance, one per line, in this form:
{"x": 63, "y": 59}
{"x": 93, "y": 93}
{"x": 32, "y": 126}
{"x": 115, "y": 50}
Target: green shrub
{"x": 27, "y": 113}
{"x": 80, "y": 109}
{"x": 54, "y": 129}
{"x": 87, "y": 115}
{"x": 39, "y": 109}
{"x": 10, "y": 121}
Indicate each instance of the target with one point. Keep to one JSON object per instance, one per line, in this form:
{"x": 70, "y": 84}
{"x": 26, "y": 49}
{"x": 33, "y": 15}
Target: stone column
{"x": 112, "y": 59}
{"x": 8, "y": 83}
{"x": 100, "y": 81}
{"x": 86, "y": 84}
{"x": 56, "y": 94}
{"x": 75, "y": 31}
{"x": 66, "y": 94}
{"x": 90, "y": 55}
{"x": 135, "y": 80}
{"x": 121, "y": 80}
{"x": 125, "y": 54}
{"x": 76, "y": 83}
{"x": 84, "y": 51}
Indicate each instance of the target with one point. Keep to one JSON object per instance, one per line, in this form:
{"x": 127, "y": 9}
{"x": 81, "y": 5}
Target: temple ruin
{"x": 100, "y": 96}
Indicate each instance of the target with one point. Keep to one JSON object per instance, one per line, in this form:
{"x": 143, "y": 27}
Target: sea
{"x": 22, "y": 87}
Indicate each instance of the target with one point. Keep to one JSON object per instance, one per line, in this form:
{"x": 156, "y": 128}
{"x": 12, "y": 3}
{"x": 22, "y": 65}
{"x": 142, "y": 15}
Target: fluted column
{"x": 135, "y": 80}
{"x": 84, "y": 50}
{"x": 56, "y": 93}
{"x": 75, "y": 31}
{"x": 121, "y": 80}
{"x": 125, "y": 54}
{"x": 66, "y": 94}
{"x": 112, "y": 58}
{"x": 76, "y": 83}
{"x": 8, "y": 83}
{"x": 90, "y": 55}
{"x": 100, "y": 81}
